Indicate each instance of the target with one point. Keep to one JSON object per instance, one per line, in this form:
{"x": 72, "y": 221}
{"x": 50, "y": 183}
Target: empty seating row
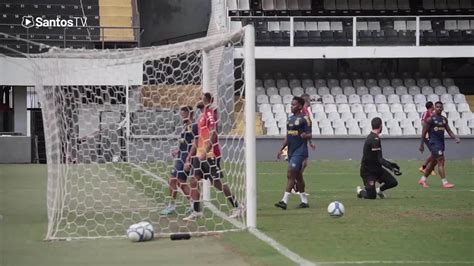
{"x": 331, "y": 83}
{"x": 49, "y": 9}
{"x": 356, "y": 75}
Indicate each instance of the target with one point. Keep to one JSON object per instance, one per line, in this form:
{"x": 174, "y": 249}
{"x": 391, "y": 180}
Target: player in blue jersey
{"x": 179, "y": 175}
{"x": 298, "y": 133}
{"x": 435, "y": 126}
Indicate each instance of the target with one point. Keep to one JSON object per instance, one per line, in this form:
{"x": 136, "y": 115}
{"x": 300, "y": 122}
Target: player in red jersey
{"x": 424, "y": 118}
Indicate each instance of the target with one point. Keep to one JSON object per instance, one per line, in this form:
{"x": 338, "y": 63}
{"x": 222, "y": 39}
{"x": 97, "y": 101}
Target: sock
{"x": 285, "y": 197}
{"x": 444, "y": 180}
{"x": 172, "y": 204}
{"x": 233, "y": 202}
{"x": 378, "y": 190}
{"x": 196, "y": 206}
{"x": 303, "y": 197}
{"x": 423, "y": 178}
{"x": 423, "y": 166}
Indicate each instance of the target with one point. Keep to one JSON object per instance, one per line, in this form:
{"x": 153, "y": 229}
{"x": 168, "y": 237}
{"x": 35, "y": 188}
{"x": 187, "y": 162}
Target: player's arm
{"x": 451, "y": 133}
{"x": 307, "y": 135}
{"x": 280, "y": 152}
{"x": 377, "y": 148}
{"x": 211, "y": 125}
{"x": 424, "y": 131}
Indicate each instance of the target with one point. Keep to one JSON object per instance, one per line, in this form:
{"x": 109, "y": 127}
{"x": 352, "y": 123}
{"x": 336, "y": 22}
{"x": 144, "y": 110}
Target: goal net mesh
{"x": 111, "y": 121}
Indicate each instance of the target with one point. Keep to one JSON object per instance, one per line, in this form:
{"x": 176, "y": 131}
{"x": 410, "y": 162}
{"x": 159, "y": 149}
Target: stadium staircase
{"x": 116, "y": 13}
{"x": 470, "y": 101}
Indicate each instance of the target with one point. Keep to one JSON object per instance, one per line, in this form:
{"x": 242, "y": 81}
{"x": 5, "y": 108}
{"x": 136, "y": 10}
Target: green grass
{"x": 412, "y": 224}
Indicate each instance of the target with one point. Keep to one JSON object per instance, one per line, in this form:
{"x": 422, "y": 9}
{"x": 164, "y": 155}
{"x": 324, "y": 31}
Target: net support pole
{"x": 250, "y": 141}
{"x": 127, "y": 124}
{"x": 206, "y": 87}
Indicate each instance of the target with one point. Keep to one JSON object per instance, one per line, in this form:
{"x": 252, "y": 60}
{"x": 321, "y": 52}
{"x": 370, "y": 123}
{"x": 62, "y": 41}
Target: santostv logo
{"x": 28, "y": 21}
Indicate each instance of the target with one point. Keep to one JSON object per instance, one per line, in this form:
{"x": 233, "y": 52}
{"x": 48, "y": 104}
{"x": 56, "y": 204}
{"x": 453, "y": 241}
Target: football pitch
{"x": 412, "y": 226}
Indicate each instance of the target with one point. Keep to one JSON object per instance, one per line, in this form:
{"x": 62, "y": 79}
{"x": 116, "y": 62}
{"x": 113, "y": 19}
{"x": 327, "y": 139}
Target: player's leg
{"x": 442, "y": 173}
{"x": 369, "y": 191}
{"x": 427, "y": 161}
{"x": 430, "y": 166}
{"x": 388, "y": 181}
{"x": 173, "y": 181}
{"x": 216, "y": 179}
{"x": 300, "y": 184}
{"x": 194, "y": 189}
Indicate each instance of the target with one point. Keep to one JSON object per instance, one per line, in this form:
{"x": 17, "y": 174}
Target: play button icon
{"x": 28, "y": 21}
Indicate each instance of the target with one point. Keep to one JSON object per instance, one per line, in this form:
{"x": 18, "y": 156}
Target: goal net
{"x": 112, "y": 124}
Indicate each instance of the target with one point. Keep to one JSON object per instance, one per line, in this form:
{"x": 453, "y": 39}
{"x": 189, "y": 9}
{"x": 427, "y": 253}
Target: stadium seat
{"x": 459, "y": 98}
{"x": 392, "y": 124}
{"x": 312, "y": 91}
{"x": 396, "y": 82}
{"x": 327, "y": 131}
{"x": 384, "y": 82}
{"x": 334, "y": 117}
{"x": 359, "y": 116}
{"x": 409, "y": 131}
{"x": 409, "y": 82}
{"x": 452, "y": 89}
{"x": 328, "y": 98}
{"x": 393, "y": 98}
{"x": 435, "y": 82}
{"x": 272, "y": 91}
{"x": 386, "y": 116}
{"x": 323, "y": 91}
{"x": 318, "y": 83}
{"x": 372, "y": 115}
{"x": 380, "y": 98}
{"x": 414, "y": 90}
{"x": 369, "y": 83}
{"x": 453, "y": 115}
{"x": 463, "y": 107}
{"x": 333, "y": 83}
{"x": 294, "y": 83}
{"x": 340, "y": 131}
{"x": 317, "y": 108}
{"x": 358, "y": 83}
{"x": 470, "y": 123}
{"x": 427, "y": 90}
{"x": 362, "y": 90}
{"x": 409, "y": 107}
{"x": 396, "y": 107}
{"x": 267, "y": 83}
{"x": 440, "y": 90}
{"x": 413, "y": 116}
{"x": 260, "y": 91}
{"x": 370, "y": 108}
{"x": 336, "y": 90}
{"x": 280, "y": 83}
{"x": 298, "y": 91}
{"x": 356, "y": 108}
{"x": 383, "y": 108}
{"x": 346, "y": 83}
{"x": 258, "y": 83}
{"x": 349, "y": 90}
{"x": 406, "y": 98}
{"x": 367, "y": 98}
{"x": 401, "y": 90}
{"x": 264, "y": 108}
{"x": 285, "y": 91}
{"x": 432, "y": 98}
{"x": 354, "y": 98}
{"x": 421, "y": 82}
{"x": 399, "y": 116}
{"x": 448, "y": 82}
{"x": 346, "y": 116}
{"x": 395, "y": 131}
{"x": 307, "y": 83}
{"x": 341, "y": 98}
{"x": 278, "y": 108}
{"x": 388, "y": 90}
{"x": 375, "y": 90}
{"x": 328, "y": 108}
{"x": 262, "y": 99}
{"x": 275, "y": 99}
{"x": 287, "y": 98}
{"x": 419, "y": 98}
{"x": 446, "y": 98}
{"x": 467, "y": 115}
{"x": 420, "y": 107}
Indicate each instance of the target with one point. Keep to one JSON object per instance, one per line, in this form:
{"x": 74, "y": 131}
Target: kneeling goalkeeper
{"x": 371, "y": 169}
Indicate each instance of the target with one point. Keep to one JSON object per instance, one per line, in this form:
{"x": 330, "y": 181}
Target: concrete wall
{"x": 333, "y": 148}
{"x": 15, "y": 149}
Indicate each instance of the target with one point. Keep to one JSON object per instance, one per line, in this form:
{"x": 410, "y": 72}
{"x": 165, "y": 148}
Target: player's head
{"x": 296, "y": 104}
{"x": 306, "y": 99}
{"x": 429, "y": 106}
{"x": 377, "y": 124}
{"x": 438, "y": 107}
{"x": 186, "y": 113}
{"x": 207, "y": 98}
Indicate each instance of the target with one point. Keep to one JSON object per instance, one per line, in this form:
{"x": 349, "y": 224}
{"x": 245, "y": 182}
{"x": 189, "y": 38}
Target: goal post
{"x": 112, "y": 123}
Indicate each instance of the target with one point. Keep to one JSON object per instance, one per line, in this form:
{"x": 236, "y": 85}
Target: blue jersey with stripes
{"x": 297, "y": 124}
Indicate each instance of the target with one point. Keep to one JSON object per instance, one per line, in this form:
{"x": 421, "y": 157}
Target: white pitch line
{"x": 270, "y": 241}
{"x": 396, "y": 262}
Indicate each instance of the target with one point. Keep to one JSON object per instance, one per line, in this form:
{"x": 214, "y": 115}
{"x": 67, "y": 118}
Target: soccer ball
{"x": 336, "y": 209}
{"x": 139, "y": 232}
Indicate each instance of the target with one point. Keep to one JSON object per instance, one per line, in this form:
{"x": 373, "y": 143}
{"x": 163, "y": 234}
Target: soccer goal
{"x": 111, "y": 121}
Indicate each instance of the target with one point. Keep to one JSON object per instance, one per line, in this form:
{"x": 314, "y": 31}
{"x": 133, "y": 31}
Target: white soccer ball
{"x": 149, "y": 232}
{"x": 136, "y": 233}
{"x": 336, "y": 209}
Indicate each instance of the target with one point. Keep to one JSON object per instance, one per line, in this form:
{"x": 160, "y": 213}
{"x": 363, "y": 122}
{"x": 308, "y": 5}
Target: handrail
{"x": 169, "y": 40}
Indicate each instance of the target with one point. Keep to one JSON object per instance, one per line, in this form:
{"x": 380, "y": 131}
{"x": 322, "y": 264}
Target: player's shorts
{"x": 295, "y": 162}
{"x": 178, "y": 170}
{"x": 427, "y": 142}
{"x": 437, "y": 150}
{"x": 208, "y": 169}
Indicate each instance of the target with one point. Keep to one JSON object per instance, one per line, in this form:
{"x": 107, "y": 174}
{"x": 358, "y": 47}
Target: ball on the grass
{"x": 149, "y": 232}
{"x": 336, "y": 209}
{"x": 136, "y": 233}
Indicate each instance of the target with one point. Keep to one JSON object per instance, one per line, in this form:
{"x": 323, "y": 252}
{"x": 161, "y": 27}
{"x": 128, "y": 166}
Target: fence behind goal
{"x": 109, "y": 145}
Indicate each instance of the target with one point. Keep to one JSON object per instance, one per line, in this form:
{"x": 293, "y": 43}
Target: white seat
{"x": 362, "y": 90}
{"x": 448, "y": 82}
{"x": 280, "y": 83}
{"x": 392, "y": 123}
{"x": 406, "y": 98}
{"x": 370, "y": 108}
{"x": 338, "y": 123}
{"x": 354, "y": 131}
{"x": 395, "y": 131}
{"x": 341, "y": 98}
{"x": 298, "y": 91}
{"x": 464, "y": 131}
{"x": 409, "y": 107}
{"x": 393, "y": 99}
{"x": 327, "y": 131}
{"x": 278, "y": 108}
{"x": 323, "y": 91}
{"x": 267, "y": 116}
{"x": 406, "y": 123}
{"x": 346, "y": 116}
{"x": 413, "y": 116}
{"x": 324, "y": 123}
{"x": 333, "y": 83}
{"x": 383, "y": 108}
{"x": 311, "y": 25}
{"x": 319, "y": 116}
{"x": 359, "y": 116}
{"x": 440, "y": 90}
{"x": 262, "y": 99}
{"x": 287, "y": 98}
{"x": 421, "y": 82}
{"x": 419, "y": 98}
{"x": 288, "y": 108}
{"x": 294, "y": 83}
{"x": 435, "y": 82}
{"x": 432, "y": 98}
{"x": 285, "y": 91}
{"x": 272, "y": 91}
{"x": 273, "y": 131}
{"x": 340, "y": 131}
{"x": 384, "y": 83}
{"x": 328, "y": 98}
{"x": 329, "y": 108}
{"x": 320, "y": 83}
{"x": 399, "y": 116}
{"x": 409, "y": 82}
{"x": 315, "y": 129}
{"x": 397, "y": 82}
{"x": 463, "y": 107}
{"x": 453, "y": 89}
{"x": 349, "y": 90}
{"x": 317, "y": 108}
{"x": 307, "y": 83}
{"x": 336, "y": 90}
{"x": 354, "y": 98}
{"x": 280, "y": 116}
{"x": 260, "y": 90}
{"x": 409, "y": 131}
{"x": 420, "y": 107}
{"x": 446, "y": 98}
{"x": 388, "y": 90}
{"x": 460, "y": 123}
{"x": 344, "y": 107}
{"x": 467, "y": 115}
{"x": 427, "y": 90}
{"x": 275, "y": 98}
{"x": 365, "y": 123}
{"x": 332, "y": 116}
{"x": 459, "y": 98}
{"x": 401, "y": 90}
{"x": 414, "y": 90}
{"x": 375, "y": 90}
{"x": 453, "y": 115}
{"x": 470, "y": 123}
{"x": 367, "y": 98}
{"x": 267, "y": 83}
{"x": 258, "y": 83}
{"x": 380, "y": 98}
{"x": 264, "y": 108}
{"x": 346, "y": 83}
{"x": 358, "y": 83}
{"x": 386, "y": 116}
{"x": 369, "y": 83}
{"x": 356, "y": 108}
{"x": 373, "y": 115}
{"x": 311, "y": 91}
{"x": 396, "y": 107}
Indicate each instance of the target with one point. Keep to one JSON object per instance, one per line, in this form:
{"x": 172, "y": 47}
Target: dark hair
{"x": 376, "y": 122}
{"x": 208, "y": 97}
{"x": 429, "y": 104}
{"x": 438, "y": 102}
{"x": 299, "y": 100}
{"x": 188, "y": 109}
